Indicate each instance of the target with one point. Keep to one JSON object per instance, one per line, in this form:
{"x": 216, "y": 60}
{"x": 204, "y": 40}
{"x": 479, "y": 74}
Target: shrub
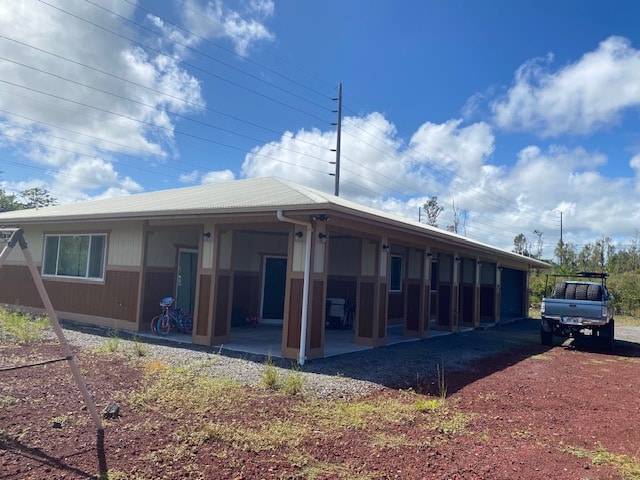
{"x": 270, "y": 374}
{"x": 292, "y": 383}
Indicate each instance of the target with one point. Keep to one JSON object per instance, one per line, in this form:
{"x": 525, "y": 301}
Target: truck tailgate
{"x": 556, "y": 307}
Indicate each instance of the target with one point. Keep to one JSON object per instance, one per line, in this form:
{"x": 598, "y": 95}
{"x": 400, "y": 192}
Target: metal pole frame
{"x": 17, "y": 237}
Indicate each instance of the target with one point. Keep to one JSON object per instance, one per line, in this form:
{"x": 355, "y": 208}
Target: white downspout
{"x": 305, "y": 284}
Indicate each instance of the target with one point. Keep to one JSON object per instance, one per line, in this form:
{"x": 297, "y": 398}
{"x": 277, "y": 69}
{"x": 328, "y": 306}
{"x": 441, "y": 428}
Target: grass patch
{"x": 356, "y": 414}
{"x": 221, "y": 414}
{"x": 429, "y": 404}
{"x": 627, "y": 321}
{"x": 22, "y": 327}
{"x": 117, "y": 475}
{"x": 270, "y": 374}
{"x": 6, "y": 401}
{"x": 541, "y": 356}
{"x": 289, "y": 384}
{"x": 139, "y": 349}
{"x": 181, "y": 391}
{"x": 293, "y": 382}
{"x": 114, "y": 344}
{"x": 626, "y": 466}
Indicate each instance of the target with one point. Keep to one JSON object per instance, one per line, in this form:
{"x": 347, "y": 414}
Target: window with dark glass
{"x": 395, "y": 274}
{"x": 75, "y": 256}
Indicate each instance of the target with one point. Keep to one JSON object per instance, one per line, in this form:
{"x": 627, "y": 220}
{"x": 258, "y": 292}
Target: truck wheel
{"x": 546, "y": 338}
{"x": 606, "y": 335}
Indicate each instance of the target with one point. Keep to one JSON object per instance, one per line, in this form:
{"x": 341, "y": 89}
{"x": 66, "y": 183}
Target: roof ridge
{"x": 311, "y": 193}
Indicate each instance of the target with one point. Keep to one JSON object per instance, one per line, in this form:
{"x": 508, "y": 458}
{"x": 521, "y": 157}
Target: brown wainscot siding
{"x": 295, "y": 314}
{"x": 116, "y": 298}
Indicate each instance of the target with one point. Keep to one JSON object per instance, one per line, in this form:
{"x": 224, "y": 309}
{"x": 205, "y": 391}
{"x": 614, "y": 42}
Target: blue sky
{"x": 510, "y": 112}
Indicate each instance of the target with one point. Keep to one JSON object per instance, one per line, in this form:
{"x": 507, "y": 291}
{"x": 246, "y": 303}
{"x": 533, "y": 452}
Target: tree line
{"x": 621, "y": 262}
{"x": 29, "y": 198}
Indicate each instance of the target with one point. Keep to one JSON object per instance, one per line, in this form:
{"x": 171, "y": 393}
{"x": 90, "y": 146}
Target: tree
{"x": 432, "y": 210}
{"x": 8, "y": 202}
{"x": 520, "y": 244}
{"x": 37, "y": 197}
{"x": 567, "y": 258}
{"x": 539, "y": 243}
{"x": 456, "y": 218}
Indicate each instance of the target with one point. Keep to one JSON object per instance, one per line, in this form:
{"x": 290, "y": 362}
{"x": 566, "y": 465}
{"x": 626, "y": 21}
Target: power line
{"x": 154, "y": 107}
{"x": 221, "y": 47}
{"x": 146, "y": 87}
{"x": 179, "y": 60}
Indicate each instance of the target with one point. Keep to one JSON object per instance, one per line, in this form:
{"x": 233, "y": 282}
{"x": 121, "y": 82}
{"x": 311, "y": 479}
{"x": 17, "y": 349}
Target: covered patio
{"x": 266, "y": 340}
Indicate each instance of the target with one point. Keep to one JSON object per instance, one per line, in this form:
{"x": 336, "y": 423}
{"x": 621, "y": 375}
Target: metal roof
{"x": 255, "y": 195}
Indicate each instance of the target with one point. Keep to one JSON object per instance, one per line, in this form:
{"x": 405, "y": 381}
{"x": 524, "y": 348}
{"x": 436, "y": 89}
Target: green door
{"x": 186, "y": 283}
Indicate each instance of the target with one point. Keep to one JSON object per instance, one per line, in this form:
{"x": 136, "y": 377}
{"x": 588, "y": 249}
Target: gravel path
{"x": 399, "y": 365}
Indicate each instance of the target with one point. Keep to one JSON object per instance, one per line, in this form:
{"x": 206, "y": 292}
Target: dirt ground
{"x": 530, "y": 413}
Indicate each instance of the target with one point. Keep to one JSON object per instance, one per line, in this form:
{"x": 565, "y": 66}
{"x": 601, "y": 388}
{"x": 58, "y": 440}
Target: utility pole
{"x": 338, "y": 125}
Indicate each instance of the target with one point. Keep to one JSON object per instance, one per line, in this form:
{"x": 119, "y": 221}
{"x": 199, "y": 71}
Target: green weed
{"x": 541, "y": 356}
{"x": 22, "y": 327}
{"x": 429, "y": 404}
{"x": 627, "y": 466}
{"x": 442, "y": 382}
{"x": 139, "y": 349}
{"x": 270, "y": 374}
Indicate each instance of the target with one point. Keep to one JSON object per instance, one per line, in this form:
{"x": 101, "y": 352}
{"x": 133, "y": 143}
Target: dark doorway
{"x": 512, "y": 297}
{"x": 274, "y": 281}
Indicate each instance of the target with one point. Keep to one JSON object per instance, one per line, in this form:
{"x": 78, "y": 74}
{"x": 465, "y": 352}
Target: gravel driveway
{"x": 399, "y": 365}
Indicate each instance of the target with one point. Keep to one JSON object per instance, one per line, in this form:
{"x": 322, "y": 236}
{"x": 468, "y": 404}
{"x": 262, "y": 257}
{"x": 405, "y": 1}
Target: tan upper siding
{"x": 34, "y": 238}
{"x": 164, "y": 243}
{"x": 125, "y": 245}
{"x": 124, "y": 241}
{"x": 249, "y": 249}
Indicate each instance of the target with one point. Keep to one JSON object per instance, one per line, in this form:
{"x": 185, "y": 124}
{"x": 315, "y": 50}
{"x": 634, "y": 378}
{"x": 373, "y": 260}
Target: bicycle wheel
{"x": 164, "y": 325}
{"x": 154, "y": 324}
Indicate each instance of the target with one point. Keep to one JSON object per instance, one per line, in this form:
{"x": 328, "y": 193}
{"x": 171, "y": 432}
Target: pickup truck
{"x": 577, "y": 307}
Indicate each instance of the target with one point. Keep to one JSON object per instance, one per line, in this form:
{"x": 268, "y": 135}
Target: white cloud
{"x": 84, "y": 176}
{"x": 372, "y": 164}
{"x": 579, "y": 98}
{"x": 452, "y": 161}
{"x": 214, "y": 176}
{"x": 215, "y": 20}
{"x": 218, "y": 177}
{"x": 66, "y": 95}
{"x": 545, "y": 183}
{"x": 452, "y": 148}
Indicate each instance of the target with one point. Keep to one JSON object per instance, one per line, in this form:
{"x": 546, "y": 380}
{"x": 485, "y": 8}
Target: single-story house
{"x": 260, "y": 248}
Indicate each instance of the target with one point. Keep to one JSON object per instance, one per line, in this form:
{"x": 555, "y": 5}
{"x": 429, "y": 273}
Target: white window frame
{"x": 401, "y": 279}
{"x": 75, "y": 277}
